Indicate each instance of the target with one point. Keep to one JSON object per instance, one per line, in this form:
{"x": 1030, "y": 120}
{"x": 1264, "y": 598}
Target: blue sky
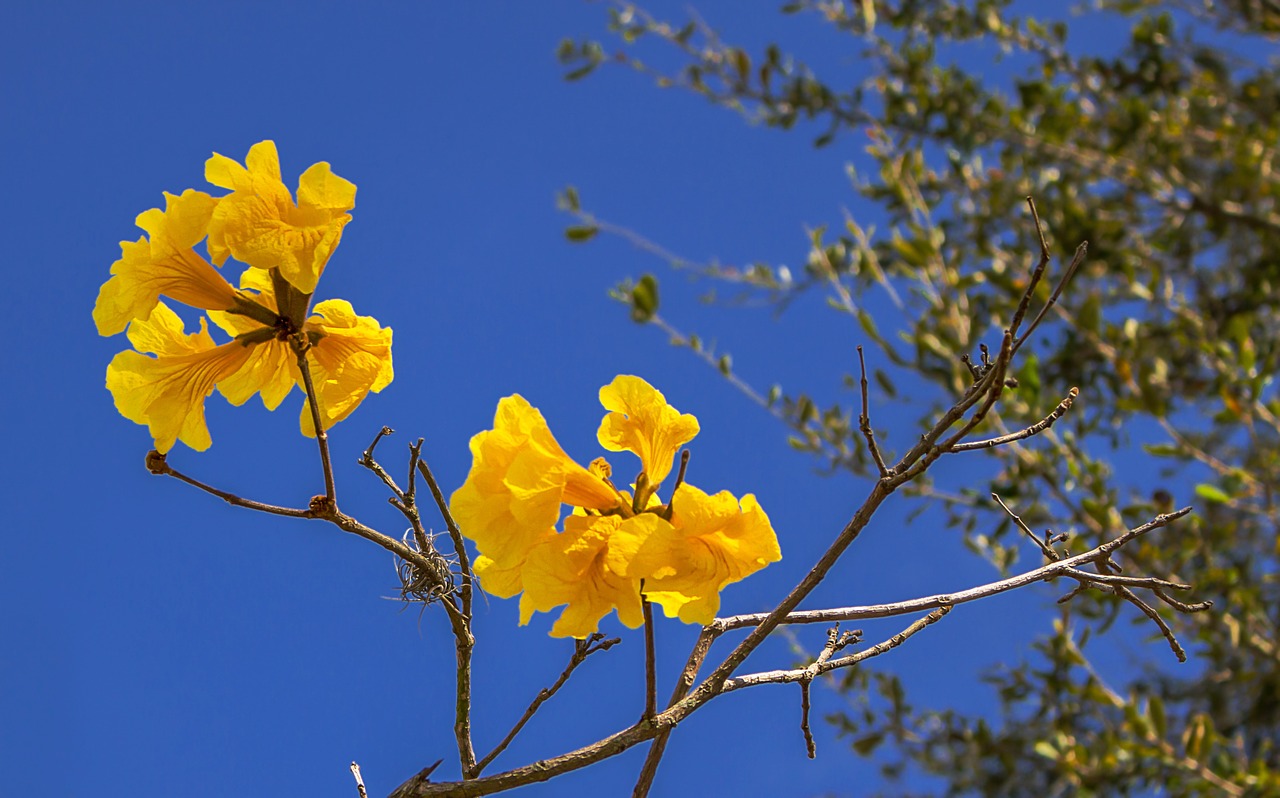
{"x": 160, "y": 642}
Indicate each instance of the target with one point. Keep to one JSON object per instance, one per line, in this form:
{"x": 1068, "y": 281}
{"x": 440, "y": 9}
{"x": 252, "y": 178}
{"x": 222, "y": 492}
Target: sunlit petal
{"x": 641, "y": 421}
{"x": 167, "y": 392}
{"x": 163, "y": 264}
{"x": 260, "y": 224}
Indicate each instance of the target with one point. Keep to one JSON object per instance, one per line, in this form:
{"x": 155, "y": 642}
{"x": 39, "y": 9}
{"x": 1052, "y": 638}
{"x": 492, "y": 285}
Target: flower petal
{"x": 574, "y": 569}
{"x": 259, "y": 223}
{"x": 641, "y": 421}
{"x": 266, "y": 372}
{"x": 714, "y": 541}
{"x": 518, "y": 480}
{"x": 352, "y": 358}
{"x": 167, "y": 392}
{"x": 164, "y": 264}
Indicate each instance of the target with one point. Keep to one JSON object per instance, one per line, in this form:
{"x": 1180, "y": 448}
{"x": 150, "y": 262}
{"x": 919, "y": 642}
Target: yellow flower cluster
{"x": 615, "y": 545}
{"x": 165, "y": 379}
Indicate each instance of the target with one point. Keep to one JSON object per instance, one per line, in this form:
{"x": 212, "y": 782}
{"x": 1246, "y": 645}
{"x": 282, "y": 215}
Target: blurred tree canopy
{"x": 1162, "y": 154}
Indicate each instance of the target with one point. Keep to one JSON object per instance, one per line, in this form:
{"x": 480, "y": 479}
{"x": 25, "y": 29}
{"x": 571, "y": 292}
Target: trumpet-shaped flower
{"x": 612, "y": 544}
{"x": 166, "y": 263}
{"x": 585, "y": 568}
{"x": 511, "y": 499}
{"x": 712, "y": 541}
{"x": 348, "y": 356}
{"x": 260, "y": 224}
{"x": 641, "y": 421}
{"x": 167, "y": 392}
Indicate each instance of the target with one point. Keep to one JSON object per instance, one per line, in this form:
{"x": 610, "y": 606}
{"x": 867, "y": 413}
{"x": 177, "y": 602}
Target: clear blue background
{"x": 159, "y": 642}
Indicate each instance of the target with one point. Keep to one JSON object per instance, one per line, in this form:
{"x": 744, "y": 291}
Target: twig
{"x": 1036, "y": 274}
{"x": 680, "y": 709}
{"x": 835, "y": 642}
{"x": 1199, "y": 606}
{"x": 1034, "y": 429}
{"x": 685, "y": 683}
{"x": 1045, "y": 548}
{"x": 300, "y": 346}
{"x": 581, "y": 650}
{"x": 1081, "y": 251}
{"x": 864, "y": 420}
{"x": 455, "y": 534}
{"x": 650, "y": 659}
{"x": 1149, "y": 582}
{"x": 158, "y": 464}
{"x": 355, "y": 771}
{"x": 818, "y": 668}
{"x": 1045, "y": 573}
{"x": 366, "y": 460}
{"x": 810, "y": 747}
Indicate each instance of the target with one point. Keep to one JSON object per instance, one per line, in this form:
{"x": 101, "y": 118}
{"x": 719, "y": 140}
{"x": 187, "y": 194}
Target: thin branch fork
{"x": 805, "y": 675}
{"x": 681, "y": 708}
{"x": 581, "y": 650}
{"x": 459, "y": 611}
{"x": 1045, "y": 573}
{"x": 1035, "y": 429}
{"x": 864, "y": 420}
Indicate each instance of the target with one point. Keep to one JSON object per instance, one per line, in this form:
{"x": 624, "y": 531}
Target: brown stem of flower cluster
{"x": 300, "y": 346}
{"x": 650, "y": 659}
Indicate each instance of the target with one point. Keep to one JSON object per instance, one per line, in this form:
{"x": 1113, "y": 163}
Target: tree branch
{"x": 581, "y": 650}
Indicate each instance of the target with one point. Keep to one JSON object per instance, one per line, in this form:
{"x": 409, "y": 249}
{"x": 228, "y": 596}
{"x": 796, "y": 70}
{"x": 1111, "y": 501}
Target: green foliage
{"x": 1162, "y": 154}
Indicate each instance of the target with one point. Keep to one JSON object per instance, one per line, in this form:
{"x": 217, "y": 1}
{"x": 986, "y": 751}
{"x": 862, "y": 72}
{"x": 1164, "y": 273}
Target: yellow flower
{"x": 259, "y": 223}
{"x": 167, "y": 392}
{"x": 164, "y": 264}
{"x": 642, "y": 422}
{"x": 511, "y": 499}
{"x": 612, "y": 543}
{"x": 712, "y": 541}
{"x": 585, "y": 569}
{"x": 347, "y": 355}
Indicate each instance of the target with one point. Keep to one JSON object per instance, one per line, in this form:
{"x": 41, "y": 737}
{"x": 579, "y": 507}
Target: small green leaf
{"x": 568, "y": 199}
{"x": 1212, "y": 493}
{"x": 644, "y": 299}
{"x": 1155, "y": 708}
{"x": 581, "y": 233}
{"x": 866, "y": 745}
{"x": 1045, "y": 749}
{"x": 725, "y": 364}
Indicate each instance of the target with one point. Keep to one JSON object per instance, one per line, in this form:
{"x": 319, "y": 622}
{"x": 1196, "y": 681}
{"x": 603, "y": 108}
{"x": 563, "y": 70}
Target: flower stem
{"x": 300, "y": 347}
{"x": 650, "y": 660}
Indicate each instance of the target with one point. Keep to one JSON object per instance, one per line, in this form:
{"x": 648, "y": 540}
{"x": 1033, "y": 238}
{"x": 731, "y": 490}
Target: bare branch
{"x": 1078, "y": 259}
{"x": 1045, "y": 549}
{"x": 455, "y": 534}
{"x": 158, "y": 464}
{"x": 1034, "y": 429}
{"x": 864, "y": 420}
{"x": 355, "y": 771}
{"x": 1036, "y": 274}
{"x": 683, "y": 685}
{"x": 803, "y": 675}
{"x": 366, "y": 460}
{"x": 810, "y": 746}
{"x": 1045, "y": 573}
{"x": 581, "y": 650}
